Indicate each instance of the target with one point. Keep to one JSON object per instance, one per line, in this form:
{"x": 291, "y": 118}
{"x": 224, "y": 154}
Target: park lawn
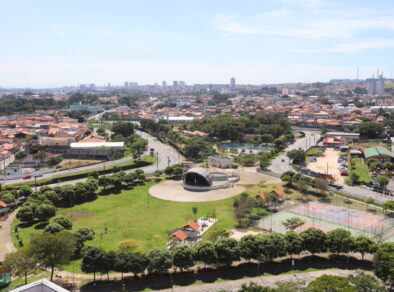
{"x": 136, "y": 215}
{"x": 361, "y": 170}
{"x": 313, "y": 150}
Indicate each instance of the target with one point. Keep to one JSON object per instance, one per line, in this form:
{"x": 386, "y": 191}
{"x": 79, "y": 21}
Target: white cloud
{"x": 304, "y": 25}
{"x": 360, "y": 46}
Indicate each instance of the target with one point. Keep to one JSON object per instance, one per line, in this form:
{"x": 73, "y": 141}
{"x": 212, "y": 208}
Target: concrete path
{"x": 264, "y": 281}
{"x": 6, "y": 245}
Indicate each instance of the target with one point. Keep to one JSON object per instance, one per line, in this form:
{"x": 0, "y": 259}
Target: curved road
{"x": 281, "y": 164}
{"x": 166, "y": 154}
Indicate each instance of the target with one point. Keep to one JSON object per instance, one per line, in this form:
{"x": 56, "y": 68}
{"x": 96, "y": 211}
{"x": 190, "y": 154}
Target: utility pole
{"x": 157, "y": 162}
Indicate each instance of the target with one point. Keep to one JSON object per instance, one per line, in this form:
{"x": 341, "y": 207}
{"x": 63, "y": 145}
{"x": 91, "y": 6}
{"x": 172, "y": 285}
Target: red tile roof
{"x": 179, "y": 234}
{"x": 193, "y": 225}
{"x": 3, "y": 205}
{"x": 261, "y": 196}
{"x": 278, "y": 192}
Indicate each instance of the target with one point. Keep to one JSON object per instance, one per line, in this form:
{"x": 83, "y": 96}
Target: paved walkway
{"x": 264, "y": 281}
{"x": 6, "y": 245}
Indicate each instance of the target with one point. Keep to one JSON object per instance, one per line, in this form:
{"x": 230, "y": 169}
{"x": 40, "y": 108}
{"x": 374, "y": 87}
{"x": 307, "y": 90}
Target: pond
{"x": 262, "y": 147}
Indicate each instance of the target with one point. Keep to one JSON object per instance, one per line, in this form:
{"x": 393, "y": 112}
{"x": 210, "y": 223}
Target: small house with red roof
{"x": 278, "y": 192}
{"x": 188, "y": 234}
{"x": 4, "y": 210}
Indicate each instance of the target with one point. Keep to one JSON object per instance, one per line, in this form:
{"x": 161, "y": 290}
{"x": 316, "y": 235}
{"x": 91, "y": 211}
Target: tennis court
{"x": 328, "y": 217}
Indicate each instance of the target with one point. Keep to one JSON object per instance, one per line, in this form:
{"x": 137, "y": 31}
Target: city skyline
{"x": 49, "y": 44}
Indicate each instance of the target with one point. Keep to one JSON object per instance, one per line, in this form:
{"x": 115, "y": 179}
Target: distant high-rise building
{"x": 285, "y": 91}
{"x": 182, "y": 84}
{"x": 232, "y": 82}
{"x": 92, "y": 87}
{"x": 376, "y": 85}
{"x": 109, "y": 85}
{"x": 133, "y": 84}
{"x": 164, "y": 83}
{"x": 126, "y": 84}
{"x": 175, "y": 84}
{"x": 82, "y": 87}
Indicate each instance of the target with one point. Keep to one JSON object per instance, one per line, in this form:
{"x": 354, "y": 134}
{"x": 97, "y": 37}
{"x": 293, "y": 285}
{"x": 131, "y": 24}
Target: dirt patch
{"x": 73, "y": 163}
{"x": 76, "y": 215}
{"x": 239, "y": 233}
{"x": 328, "y": 163}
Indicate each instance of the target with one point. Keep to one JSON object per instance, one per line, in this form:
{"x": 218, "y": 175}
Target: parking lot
{"x": 328, "y": 163}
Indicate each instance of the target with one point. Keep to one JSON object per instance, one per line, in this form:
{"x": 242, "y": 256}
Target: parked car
{"x": 38, "y": 174}
{"x": 26, "y": 176}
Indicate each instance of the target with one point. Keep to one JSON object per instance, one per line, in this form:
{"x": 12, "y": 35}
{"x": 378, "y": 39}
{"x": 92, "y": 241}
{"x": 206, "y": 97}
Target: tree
{"x": 293, "y": 243}
{"x": 323, "y": 132}
{"x": 20, "y": 262}
{"x": 182, "y": 256}
{"x": 271, "y": 245}
{"x": 314, "y": 240}
{"x": 249, "y": 247}
{"x": 137, "y": 263}
{"x": 44, "y": 212}
{"x": 123, "y": 128}
{"x": 104, "y": 181}
{"x": 253, "y": 287}
{"x": 25, "y": 191}
{"x": 25, "y": 214}
{"x": 107, "y": 262}
{"x": 371, "y": 130}
{"x": 328, "y": 283}
{"x": 363, "y": 245}
{"x": 264, "y": 163}
{"x": 227, "y": 250}
{"x": 52, "y": 196}
{"x": 339, "y": 240}
{"x": 320, "y": 184}
{"x": 194, "y": 211}
{"x": 365, "y": 283}
{"x": 355, "y": 178}
{"x": 383, "y": 263}
{"x": 297, "y": 156}
{"x": 65, "y": 222}
{"x": 53, "y": 228}
{"x": 52, "y": 250}
{"x": 159, "y": 260}
{"x": 287, "y": 177}
{"x": 279, "y": 144}
{"x": 205, "y": 252}
{"x": 388, "y": 205}
{"x": 91, "y": 261}
{"x": 121, "y": 264}
{"x": 292, "y": 223}
{"x": 81, "y": 236}
{"x": 382, "y": 181}
{"x": 20, "y": 154}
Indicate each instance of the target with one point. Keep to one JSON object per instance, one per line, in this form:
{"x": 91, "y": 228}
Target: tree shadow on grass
{"x": 211, "y": 274}
{"x": 41, "y": 225}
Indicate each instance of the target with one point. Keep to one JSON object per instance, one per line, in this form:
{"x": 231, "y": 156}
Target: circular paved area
{"x": 173, "y": 190}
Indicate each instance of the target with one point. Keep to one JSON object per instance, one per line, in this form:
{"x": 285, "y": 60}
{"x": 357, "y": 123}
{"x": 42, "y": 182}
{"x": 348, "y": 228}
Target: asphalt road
{"x": 166, "y": 155}
{"x": 281, "y": 163}
{"x": 311, "y": 138}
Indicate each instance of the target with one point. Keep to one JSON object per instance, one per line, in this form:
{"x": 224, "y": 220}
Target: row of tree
{"x": 41, "y": 205}
{"x": 226, "y": 250}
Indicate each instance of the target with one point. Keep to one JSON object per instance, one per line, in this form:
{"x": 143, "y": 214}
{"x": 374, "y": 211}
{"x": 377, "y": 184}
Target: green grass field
{"x": 135, "y": 214}
{"x": 389, "y": 84}
{"x": 361, "y": 170}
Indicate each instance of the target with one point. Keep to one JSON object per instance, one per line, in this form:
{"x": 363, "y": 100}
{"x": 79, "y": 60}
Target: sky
{"x": 47, "y": 43}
